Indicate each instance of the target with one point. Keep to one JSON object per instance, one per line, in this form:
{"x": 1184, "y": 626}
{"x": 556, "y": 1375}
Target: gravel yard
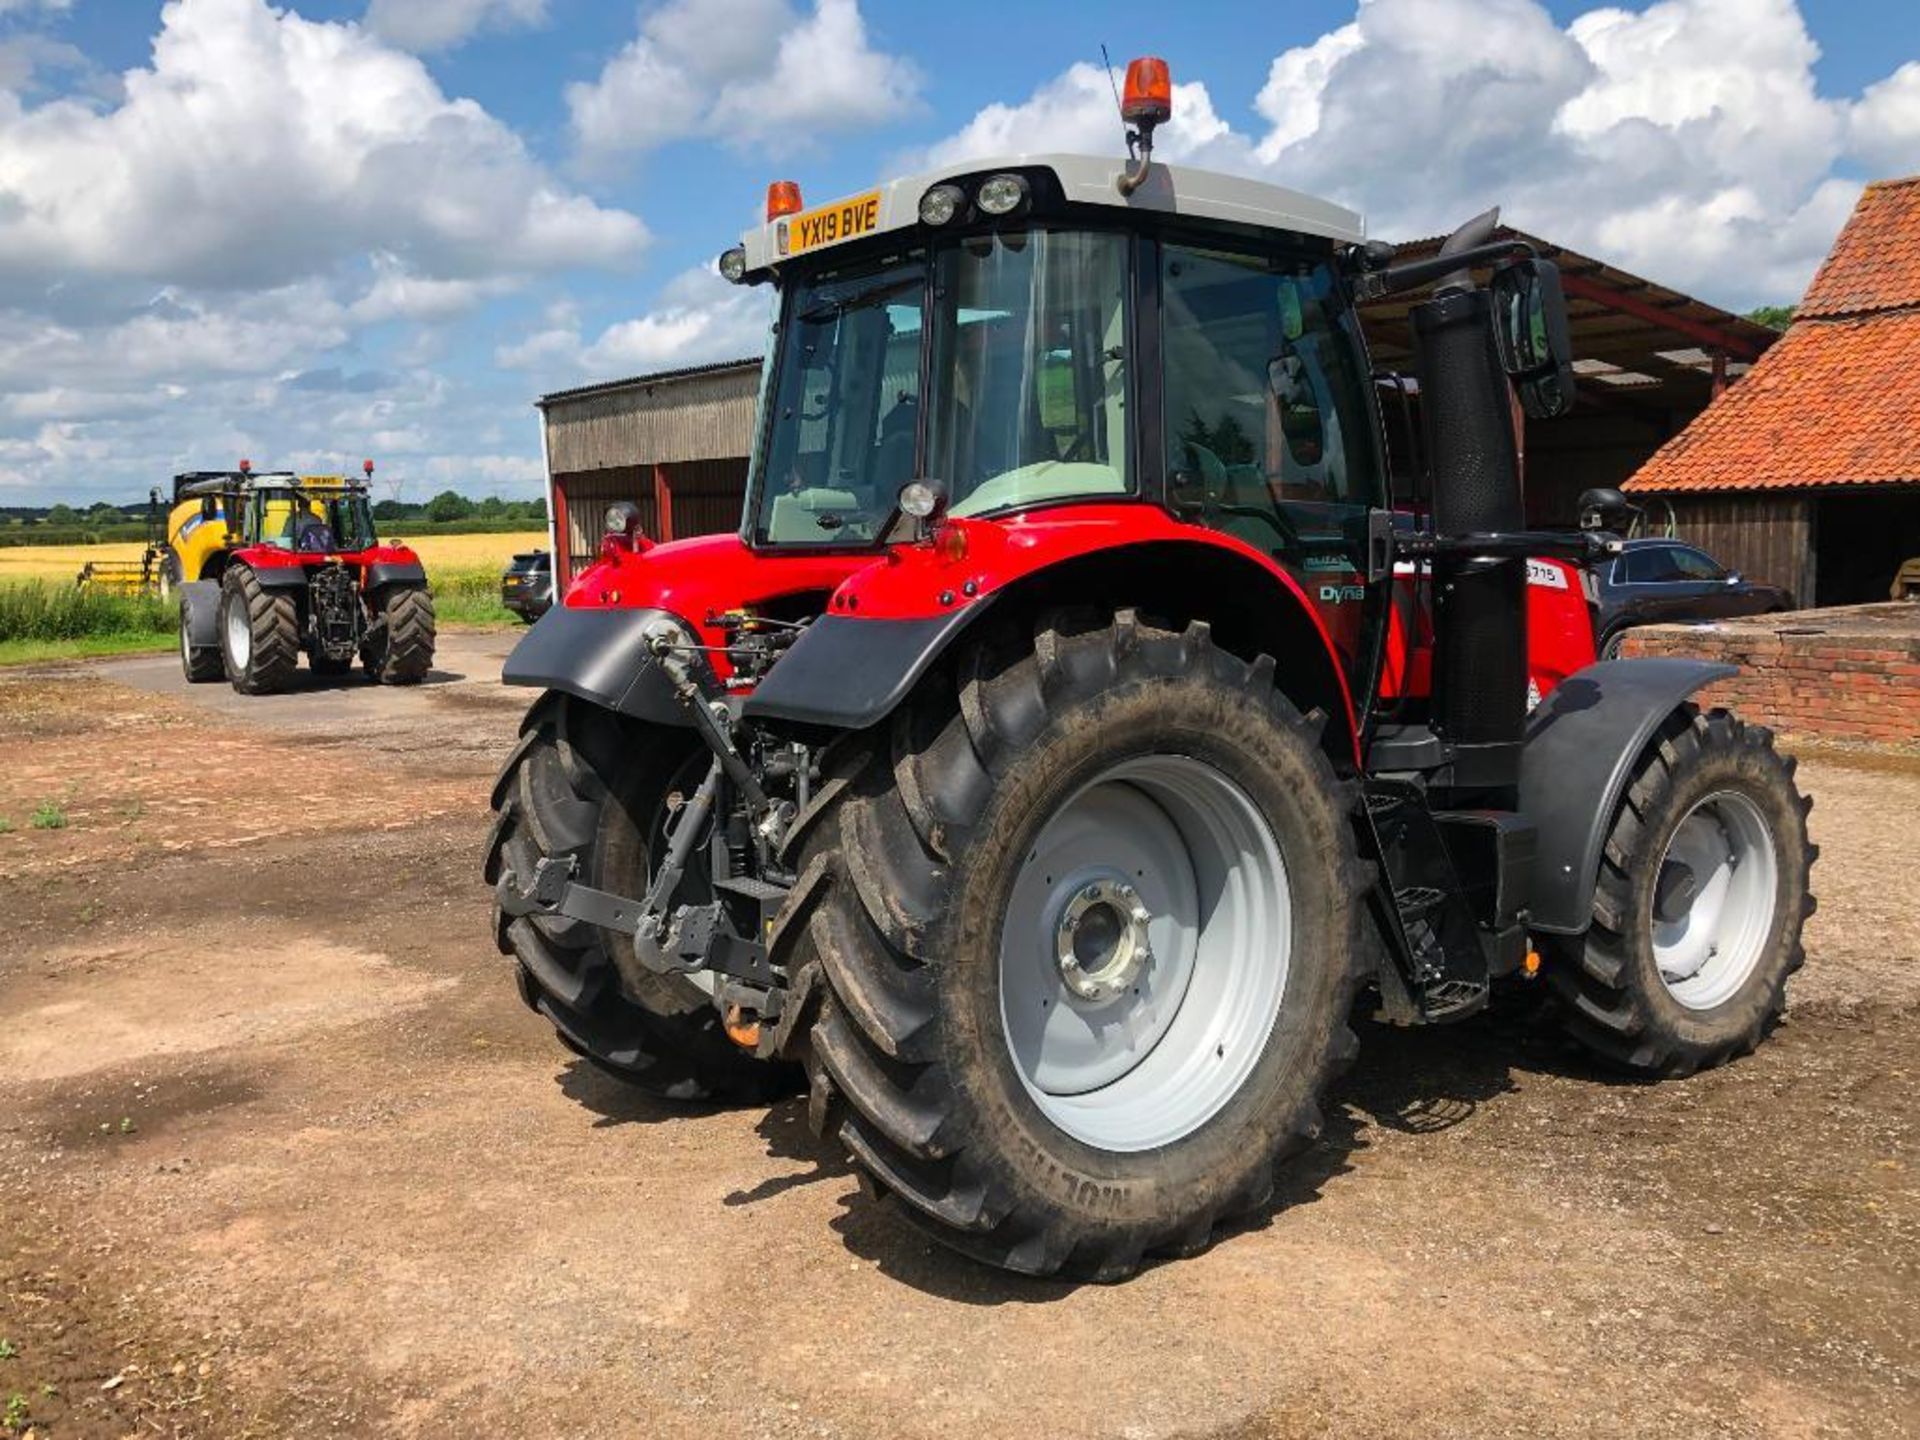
{"x": 282, "y": 1154}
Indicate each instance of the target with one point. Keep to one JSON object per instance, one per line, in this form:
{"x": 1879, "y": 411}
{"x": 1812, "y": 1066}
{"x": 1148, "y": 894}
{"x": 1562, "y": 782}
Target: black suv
{"x": 1659, "y": 582}
{"x": 526, "y": 586}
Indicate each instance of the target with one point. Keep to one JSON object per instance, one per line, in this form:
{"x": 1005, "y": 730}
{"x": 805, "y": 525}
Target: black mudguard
{"x": 200, "y": 611}
{"x": 1582, "y": 745}
{"x": 601, "y": 656}
{"x": 394, "y": 573}
{"x": 850, "y": 673}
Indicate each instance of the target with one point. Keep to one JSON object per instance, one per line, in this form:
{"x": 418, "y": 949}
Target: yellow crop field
{"x": 438, "y": 552}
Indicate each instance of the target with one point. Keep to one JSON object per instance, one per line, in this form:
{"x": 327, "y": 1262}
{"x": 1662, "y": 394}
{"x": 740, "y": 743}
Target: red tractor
{"x": 273, "y": 566}
{"x": 1074, "y": 730}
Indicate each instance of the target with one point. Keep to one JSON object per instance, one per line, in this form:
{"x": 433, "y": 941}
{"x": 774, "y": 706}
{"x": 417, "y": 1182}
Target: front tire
{"x": 585, "y": 782}
{"x": 1703, "y": 889}
{"x": 980, "y": 1063}
{"x": 259, "y": 633}
{"x": 399, "y": 644}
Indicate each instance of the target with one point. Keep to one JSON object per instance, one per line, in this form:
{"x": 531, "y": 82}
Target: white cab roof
{"x": 1085, "y": 180}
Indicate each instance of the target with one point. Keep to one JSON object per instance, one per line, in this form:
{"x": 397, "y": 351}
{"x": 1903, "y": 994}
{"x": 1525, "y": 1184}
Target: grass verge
{"x": 38, "y": 652}
{"x": 469, "y": 597}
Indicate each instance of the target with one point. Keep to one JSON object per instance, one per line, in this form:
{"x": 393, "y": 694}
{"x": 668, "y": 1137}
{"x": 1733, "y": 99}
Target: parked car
{"x": 526, "y": 586}
{"x": 1661, "y": 582}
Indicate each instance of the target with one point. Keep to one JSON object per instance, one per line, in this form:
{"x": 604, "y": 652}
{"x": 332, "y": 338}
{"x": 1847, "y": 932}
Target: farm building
{"x": 674, "y": 443}
{"x": 1807, "y": 474}
{"x": 1650, "y": 359}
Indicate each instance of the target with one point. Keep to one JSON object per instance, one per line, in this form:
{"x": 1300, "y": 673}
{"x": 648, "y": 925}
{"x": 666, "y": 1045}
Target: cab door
{"x": 1268, "y": 424}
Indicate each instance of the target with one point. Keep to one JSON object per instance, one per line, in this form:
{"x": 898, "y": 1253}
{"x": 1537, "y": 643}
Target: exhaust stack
{"x": 1480, "y": 620}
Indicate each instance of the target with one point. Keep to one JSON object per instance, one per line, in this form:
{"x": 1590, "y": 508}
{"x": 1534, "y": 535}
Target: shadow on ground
{"x": 1416, "y": 1081}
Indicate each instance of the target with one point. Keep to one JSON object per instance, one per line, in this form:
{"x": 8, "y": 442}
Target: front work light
{"x": 920, "y": 499}
{"x": 941, "y": 204}
{"x": 623, "y": 517}
{"x": 733, "y": 264}
{"x": 1002, "y": 194}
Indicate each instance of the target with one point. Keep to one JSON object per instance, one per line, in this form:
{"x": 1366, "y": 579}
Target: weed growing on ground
{"x": 49, "y": 816}
{"x": 6, "y": 825}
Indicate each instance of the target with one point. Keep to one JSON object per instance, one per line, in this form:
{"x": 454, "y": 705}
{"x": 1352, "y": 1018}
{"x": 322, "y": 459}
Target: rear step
{"x": 1441, "y": 963}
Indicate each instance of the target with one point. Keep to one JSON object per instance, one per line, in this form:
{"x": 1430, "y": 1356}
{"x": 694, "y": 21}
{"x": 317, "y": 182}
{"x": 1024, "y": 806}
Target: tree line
{"x": 446, "y": 507}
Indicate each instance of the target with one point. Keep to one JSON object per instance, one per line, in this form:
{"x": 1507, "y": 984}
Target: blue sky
{"x": 343, "y": 227}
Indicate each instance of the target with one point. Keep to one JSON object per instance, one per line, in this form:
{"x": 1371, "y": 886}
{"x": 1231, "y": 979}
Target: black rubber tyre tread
{"x": 929, "y": 1120}
{"x": 580, "y": 781}
{"x": 399, "y": 650}
{"x": 1611, "y": 998}
{"x": 274, "y": 619}
{"x": 203, "y": 664}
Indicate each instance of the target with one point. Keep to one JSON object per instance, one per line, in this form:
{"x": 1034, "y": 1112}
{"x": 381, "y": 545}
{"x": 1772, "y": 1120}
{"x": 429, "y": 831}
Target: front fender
{"x": 888, "y": 622}
{"x": 600, "y": 656}
{"x": 200, "y": 613}
{"x": 1582, "y": 745}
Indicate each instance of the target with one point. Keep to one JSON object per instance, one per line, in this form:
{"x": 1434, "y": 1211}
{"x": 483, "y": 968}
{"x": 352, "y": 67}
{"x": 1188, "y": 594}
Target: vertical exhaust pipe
{"x": 1480, "y": 613}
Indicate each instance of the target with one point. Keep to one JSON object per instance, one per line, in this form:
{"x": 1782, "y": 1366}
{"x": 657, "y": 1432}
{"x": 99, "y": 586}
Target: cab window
{"x": 1268, "y": 422}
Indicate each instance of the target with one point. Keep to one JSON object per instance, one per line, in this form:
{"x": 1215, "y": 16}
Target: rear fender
{"x": 200, "y": 613}
{"x": 1582, "y": 745}
{"x": 888, "y": 624}
{"x": 601, "y": 656}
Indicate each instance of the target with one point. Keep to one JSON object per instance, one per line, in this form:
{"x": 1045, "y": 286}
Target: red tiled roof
{"x": 1835, "y": 401}
{"x": 1875, "y": 264}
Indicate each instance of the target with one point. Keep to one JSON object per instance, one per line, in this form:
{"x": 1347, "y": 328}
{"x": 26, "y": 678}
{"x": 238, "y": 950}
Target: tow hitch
{"x": 727, "y": 936}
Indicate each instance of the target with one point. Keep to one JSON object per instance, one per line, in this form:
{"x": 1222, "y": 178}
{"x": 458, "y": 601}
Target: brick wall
{"x": 1846, "y": 674}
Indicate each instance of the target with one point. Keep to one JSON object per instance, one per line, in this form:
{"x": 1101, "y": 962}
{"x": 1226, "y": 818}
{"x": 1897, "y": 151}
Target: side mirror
{"x": 1530, "y": 331}
{"x": 1733, "y": 577}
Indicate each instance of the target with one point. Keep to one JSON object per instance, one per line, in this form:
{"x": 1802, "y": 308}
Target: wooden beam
{"x": 1711, "y": 336}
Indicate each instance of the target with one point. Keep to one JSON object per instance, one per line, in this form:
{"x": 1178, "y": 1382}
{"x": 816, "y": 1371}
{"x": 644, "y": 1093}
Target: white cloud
{"x": 1075, "y": 111}
{"x": 1885, "y": 125}
{"x": 21, "y": 7}
{"x": 443, "y": 24}
{"x": 699, "y": 318}
{"x": 1686, "y": 141}
{"x": 259, "y": 147}
{"x": 746, "y": 72}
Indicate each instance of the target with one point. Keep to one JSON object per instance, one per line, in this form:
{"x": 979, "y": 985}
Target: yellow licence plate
{"x": 830, "y": 224}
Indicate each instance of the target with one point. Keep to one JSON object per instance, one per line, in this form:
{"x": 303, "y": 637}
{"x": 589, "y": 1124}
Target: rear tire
{"x": 1610, "y": 647}
{"x": 1682, "y": 971}
{"x": 933, "y": 838}
{"x": 259, "y": 633}
{"x": 588, "y": 783}
{"x": 199, "y": 663}
{"x": 399, "y": 645}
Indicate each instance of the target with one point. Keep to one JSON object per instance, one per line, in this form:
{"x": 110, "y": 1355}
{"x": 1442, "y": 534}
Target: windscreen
{"x": 845, "y": 398}
{"x": 1030, "y": 369}
{"x": 1022, "y": 336}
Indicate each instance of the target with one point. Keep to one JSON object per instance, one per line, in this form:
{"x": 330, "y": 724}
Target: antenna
{"x": 1125, "y": 129}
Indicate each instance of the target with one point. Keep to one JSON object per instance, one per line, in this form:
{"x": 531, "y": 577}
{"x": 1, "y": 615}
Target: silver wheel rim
{"x": 1714, "y": 899}
{"x": 186, "y": 643}
{"x": 1144, "y": 956}
{"x": 239, "y": 634}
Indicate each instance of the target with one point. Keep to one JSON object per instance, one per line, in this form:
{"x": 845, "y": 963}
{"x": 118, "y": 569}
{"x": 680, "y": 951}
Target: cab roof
{"x": 1086, "y": 180}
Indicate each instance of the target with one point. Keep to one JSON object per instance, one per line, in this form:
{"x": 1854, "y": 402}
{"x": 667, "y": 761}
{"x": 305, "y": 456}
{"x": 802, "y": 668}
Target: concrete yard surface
{"x": 282, "y": 1154}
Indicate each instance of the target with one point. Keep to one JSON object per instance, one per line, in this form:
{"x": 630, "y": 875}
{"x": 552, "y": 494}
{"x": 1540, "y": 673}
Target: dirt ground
{"x": 281, "y": 1154}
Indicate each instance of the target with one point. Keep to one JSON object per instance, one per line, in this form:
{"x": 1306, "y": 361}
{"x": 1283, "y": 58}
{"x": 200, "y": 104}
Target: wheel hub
{"x": 1101, "y": 942}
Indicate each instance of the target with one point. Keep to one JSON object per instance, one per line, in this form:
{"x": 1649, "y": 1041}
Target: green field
{"x": 43, "y": 620}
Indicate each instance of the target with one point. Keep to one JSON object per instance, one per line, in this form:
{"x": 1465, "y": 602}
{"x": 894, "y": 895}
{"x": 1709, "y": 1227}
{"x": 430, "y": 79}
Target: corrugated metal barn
{"x": 675, "y": 444}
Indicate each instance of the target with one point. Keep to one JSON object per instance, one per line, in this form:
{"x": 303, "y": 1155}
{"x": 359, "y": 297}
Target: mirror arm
{"x": 1372, "y": 284}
